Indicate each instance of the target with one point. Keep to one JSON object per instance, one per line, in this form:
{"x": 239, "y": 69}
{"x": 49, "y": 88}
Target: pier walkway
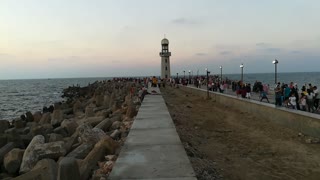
{"x": 153, "y": 149}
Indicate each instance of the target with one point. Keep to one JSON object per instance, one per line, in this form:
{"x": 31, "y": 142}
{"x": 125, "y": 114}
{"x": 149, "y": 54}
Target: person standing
{"x": 278, "y": 95}
{"x": 248, "y": 90}
{"x": 292, "y": 101}
{"x": 310, "y": 100}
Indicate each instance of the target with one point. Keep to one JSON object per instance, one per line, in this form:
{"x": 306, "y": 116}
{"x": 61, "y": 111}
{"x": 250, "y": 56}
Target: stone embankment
{"x": 76, "y": 139}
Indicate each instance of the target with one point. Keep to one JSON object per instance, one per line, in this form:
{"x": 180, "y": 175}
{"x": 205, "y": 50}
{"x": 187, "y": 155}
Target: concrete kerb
{"x": 303, "y": 122}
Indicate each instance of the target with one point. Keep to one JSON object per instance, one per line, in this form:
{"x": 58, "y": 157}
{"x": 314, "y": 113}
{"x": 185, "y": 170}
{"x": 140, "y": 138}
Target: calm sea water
{"x": 19, "y": 96}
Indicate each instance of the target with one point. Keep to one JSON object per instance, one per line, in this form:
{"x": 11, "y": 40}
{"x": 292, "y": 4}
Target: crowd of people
{"x": 287, "y": 95}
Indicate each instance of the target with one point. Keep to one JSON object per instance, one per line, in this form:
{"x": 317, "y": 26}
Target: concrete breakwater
{"x": 76, "y": 139}
{"x": 304, "y": 122}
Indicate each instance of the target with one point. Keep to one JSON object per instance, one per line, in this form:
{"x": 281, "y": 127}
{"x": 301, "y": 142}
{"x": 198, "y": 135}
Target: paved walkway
{"x": 153, "y": 149}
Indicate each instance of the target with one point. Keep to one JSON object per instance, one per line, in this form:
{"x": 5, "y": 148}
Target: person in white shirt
{"x": 292, "y": 101}
{"x": 310, "y": 100}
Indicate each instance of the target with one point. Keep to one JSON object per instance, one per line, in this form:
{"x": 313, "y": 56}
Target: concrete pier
{"x": 153, "y": 149}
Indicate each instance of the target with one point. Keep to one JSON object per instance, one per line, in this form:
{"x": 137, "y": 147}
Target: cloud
{"x": 225, "y": 53}
{"x": 184, "y": 21}
{"x": 200, "y": 54}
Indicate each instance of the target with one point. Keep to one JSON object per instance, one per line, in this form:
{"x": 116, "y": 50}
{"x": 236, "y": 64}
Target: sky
{"x": 108, "y": 38}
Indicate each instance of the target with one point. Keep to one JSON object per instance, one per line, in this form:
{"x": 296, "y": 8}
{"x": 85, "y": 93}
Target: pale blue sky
{"x": 89, "y": 38}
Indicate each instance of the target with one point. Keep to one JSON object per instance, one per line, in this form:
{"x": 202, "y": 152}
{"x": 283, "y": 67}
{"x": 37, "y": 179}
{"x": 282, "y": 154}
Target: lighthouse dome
{"x": 164, "y": 41}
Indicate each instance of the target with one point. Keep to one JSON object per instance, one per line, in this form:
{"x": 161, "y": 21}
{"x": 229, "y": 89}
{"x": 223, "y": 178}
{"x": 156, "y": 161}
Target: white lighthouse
{"x": 165, "y": 59}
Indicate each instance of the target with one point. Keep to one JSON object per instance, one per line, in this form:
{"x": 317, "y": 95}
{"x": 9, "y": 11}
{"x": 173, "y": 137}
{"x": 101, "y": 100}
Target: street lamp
{"x": 241, "y": 66}
{"x": 275, "y": 62}
{"x": 208, "y": 72}
{"x": 184, "y": 74}
{"x": 189, "y": 77}
{"x": 177, "y": 75}
{"x": 221, "y": 73}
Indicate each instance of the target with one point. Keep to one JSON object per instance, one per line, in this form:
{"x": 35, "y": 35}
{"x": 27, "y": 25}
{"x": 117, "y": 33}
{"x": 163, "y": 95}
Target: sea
{"x": 19, "y": 96}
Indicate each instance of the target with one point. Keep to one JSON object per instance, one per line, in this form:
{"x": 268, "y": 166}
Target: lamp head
{"x": 241, "y": 65}
{"x": 220, "y": 67}
{"x": 275, "y": 61}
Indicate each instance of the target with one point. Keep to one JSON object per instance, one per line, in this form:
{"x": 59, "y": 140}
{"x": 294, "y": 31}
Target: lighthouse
{"x": 165, "y": 59}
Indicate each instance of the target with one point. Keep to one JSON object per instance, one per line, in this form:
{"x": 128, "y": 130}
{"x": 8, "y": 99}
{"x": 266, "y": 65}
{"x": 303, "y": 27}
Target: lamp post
{"x": 208, "y": 72}
{"x": 197, "y": 73}
{"x": 184, "y": 74}
{"x": 241, "y": 66}
{"x": 189, "y": 77}
{"x": 177, "y": 75}
{"x": 221, "y": 74}
{"x": 275, "y": 62}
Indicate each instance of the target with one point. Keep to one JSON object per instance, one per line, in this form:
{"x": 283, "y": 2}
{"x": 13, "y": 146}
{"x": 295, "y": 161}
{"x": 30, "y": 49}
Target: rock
{"x": 37, "y": 150}
{"x": 50, "y": 165}
{"x": 104, "y": 113}
{"x": 89, "y": 110}
{"x": 57, "y": 117}
{"x": 13, "y": 136}
{"x": 37, "y": 116}
{"x": 92, "y": 121}
{"x": 29, "y": 157}
{"x": 81, "y": 151}
{"x": 67, "y": 111}
{"x": 25, "y": 130}
{"x": 103, "y": 147}
{"x": 106, "y": 101}
{"x": 46, "y": 118}
{"x": 70, "y": 141}
{"x": 53, "y": 137}
{"x": 89, "y": 135}
{"x": 60, "y": 130}
{"x": 29, "y": 117}
{"x": 45, "y": 169}
{"x": 116, "y": 105}
{"x": 26, "y": 139}
{"x": 3, "y": 140}
{"x": 51, "y": 150}
{"x": 131, "y": 112}
{"x": 12, "y": 160}
{"x": 5, "y": 176}
{"x": 68, "y": 169}
{"x": 104, "y": 125}
{"x": 77, "y": 106}
{"x": 4, "y": 125}
{"x": 111, "y": 157}
{"x": 18, "y": 123}
{"x": 99, "y": 99}
{"x": 41, "y": 129}
{"x": 115, "y": 125}
{"x": 5, "y": 149}
{"x": 70, "y": 125}
{"x": 116, "y": 134}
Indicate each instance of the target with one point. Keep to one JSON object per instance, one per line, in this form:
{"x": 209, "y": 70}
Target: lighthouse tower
{"x": 165, "y": 59}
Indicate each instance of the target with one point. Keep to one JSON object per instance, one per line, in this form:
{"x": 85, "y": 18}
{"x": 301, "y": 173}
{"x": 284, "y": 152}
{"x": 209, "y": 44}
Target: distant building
{"x": 165, "y": 59}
